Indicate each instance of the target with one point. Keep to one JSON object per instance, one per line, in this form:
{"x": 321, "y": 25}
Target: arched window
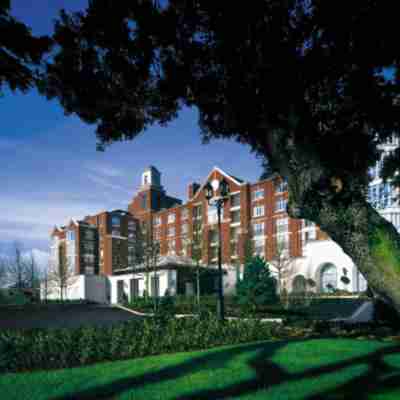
{"x": 299, "y": 284}
{"x": 328, "y": 278}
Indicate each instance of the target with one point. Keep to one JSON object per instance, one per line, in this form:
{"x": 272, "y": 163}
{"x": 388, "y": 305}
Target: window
{"x": 235, "y": 200}
{"x": 171, "y": 231}
{"x": 259, "y": 247}
{"x": 157, "y": 221}
{"x": 89, "y": 234}
{"x": 234, "y": 249}
{"x": 309, "y": 235}
{"x": 280, "y": 204}
{"x": 258, "y": 211}
{"x": 115, "y": 220}
{"x": 212, "y": 214}
{"x": 282, "y": 225}
{"x": 184, "y": 229}
{"x": 257, "y": 194}
{"x": 281, "y": 186}
{"x": 213, "y": 252}
{"x": 235, "y": 216}
{"x": 381, "y": 195}
{"x": 88, "y": 258}
{"x": 143, "y": 201}
{"x": 171, "y": 218}
{"x": 88, "y": 247}
{"x": 185, "y": 213}
{"x": 155, "y": 286}
{"x": 235, "y": 232}
{"x": 213, "y": 236}
{"x": 258, "y": 229}
{"x": 171, "y": 246}
{"x": 131, "y": 225}
{"x": 197, "y": 212}
{"x": 134, "y": 288}
{"x": 70, "y": 235}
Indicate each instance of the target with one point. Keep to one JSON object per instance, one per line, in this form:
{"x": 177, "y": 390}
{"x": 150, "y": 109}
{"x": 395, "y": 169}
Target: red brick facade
{"x": 171, "y": 223}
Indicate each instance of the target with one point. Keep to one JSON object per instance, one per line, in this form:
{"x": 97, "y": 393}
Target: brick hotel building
{"x": 102, "y": 249}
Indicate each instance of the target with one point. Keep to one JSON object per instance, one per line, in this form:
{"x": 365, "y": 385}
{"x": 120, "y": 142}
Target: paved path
{"x": 65, "y": 316}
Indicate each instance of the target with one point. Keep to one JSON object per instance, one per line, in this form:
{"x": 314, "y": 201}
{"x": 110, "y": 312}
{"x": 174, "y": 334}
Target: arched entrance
{"x": 328, "y": 278}
{"x": 299, "y": 284}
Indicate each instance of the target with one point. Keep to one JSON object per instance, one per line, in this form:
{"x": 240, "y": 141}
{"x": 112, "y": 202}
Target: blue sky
{"x": 50, "y": 169}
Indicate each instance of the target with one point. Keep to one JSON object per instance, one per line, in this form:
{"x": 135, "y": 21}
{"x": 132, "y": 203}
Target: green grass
{"x": 308, "y": 369}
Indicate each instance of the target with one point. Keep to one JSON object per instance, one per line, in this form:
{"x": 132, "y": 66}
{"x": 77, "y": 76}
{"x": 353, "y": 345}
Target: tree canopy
{"x": 311, "y": 70}
{"x": 20, "y": 52}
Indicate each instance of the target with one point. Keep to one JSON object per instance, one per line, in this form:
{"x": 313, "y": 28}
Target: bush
{"x": 63, "y": 348}
{"x": 257, "y": 287}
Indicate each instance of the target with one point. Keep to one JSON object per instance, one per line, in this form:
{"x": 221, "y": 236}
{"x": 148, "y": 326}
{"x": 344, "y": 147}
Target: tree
{"x": 32, "y": 273}
{"x": 20, "y": 52}
{"x": 257, "y": 287}
{"x": 17, "y": 269}
{"x": 284, "y": 265}
{"x": 149, "y": 253}
{"x": 60, "y": 275}
{"x": 195, "y": 245}
{"x": 307, "y": 84}
{"x": 3, "y": 270}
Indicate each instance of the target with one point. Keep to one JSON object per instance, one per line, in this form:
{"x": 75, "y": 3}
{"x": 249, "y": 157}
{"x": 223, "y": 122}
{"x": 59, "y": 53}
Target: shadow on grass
{"x": 215, "y": 359}
{"x": 379, "y": 378}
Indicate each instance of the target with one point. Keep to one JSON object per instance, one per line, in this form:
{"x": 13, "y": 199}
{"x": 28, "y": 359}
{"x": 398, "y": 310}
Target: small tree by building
{"x": 258, "y": 287}
{"x": 284, "y": 264}
{"x": 148, "y": 254}
{"x": 60, "y": 275}
{"x": 194, "y": 247}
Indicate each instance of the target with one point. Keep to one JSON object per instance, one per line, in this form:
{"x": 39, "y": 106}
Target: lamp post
{"x": 210, "y": 191}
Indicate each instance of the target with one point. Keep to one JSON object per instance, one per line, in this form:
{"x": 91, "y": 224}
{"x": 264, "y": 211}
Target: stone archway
{"x": 327, "y": 277}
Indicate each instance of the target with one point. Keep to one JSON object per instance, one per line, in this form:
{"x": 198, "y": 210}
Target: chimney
{"x": 192, "y": 189}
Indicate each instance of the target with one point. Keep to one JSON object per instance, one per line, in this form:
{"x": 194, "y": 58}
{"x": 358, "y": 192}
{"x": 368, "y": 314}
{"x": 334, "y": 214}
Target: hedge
{"x": 64, "y": 348}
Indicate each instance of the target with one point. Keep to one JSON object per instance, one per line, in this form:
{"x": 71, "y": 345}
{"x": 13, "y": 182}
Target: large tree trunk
{"x": 337, "y": 203}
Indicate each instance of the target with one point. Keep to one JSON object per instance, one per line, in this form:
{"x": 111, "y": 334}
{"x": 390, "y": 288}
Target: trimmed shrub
{"x": 65, "y": 348}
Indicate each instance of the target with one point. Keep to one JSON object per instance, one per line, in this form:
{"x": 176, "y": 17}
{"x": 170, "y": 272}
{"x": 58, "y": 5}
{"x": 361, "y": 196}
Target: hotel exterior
{"x": 106, "y": 251}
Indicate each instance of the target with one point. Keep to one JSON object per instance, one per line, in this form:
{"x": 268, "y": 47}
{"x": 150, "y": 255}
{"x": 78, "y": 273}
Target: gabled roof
{"x": 237, "y": 181}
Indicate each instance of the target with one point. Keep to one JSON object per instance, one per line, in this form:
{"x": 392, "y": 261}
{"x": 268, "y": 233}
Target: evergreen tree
{"x": 257, "y": 287}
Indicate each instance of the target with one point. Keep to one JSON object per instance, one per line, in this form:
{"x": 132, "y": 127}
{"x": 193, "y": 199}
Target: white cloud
{"x": 34, "y": 219}
{"x": 101, "y": 181}
{"x": 105, "y": 170}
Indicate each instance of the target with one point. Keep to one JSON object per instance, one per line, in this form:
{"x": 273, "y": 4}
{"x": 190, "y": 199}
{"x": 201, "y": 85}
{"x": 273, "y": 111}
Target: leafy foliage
{"x": 274, "y": 66}
{"x": 20, "y": 52}
{"x": 257, "y": 287}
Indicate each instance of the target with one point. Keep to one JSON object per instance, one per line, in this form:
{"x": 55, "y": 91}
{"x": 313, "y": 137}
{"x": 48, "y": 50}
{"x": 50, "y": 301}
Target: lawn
{"x": 304, "y": 369}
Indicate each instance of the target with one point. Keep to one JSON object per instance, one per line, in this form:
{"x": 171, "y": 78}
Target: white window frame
{"x": 171, "y": 218}
{"x": 280, "y": 204}
{"x": 259, "y": 231}
{"x": 257, "y": 194}
{"x": 258, "y": 211}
